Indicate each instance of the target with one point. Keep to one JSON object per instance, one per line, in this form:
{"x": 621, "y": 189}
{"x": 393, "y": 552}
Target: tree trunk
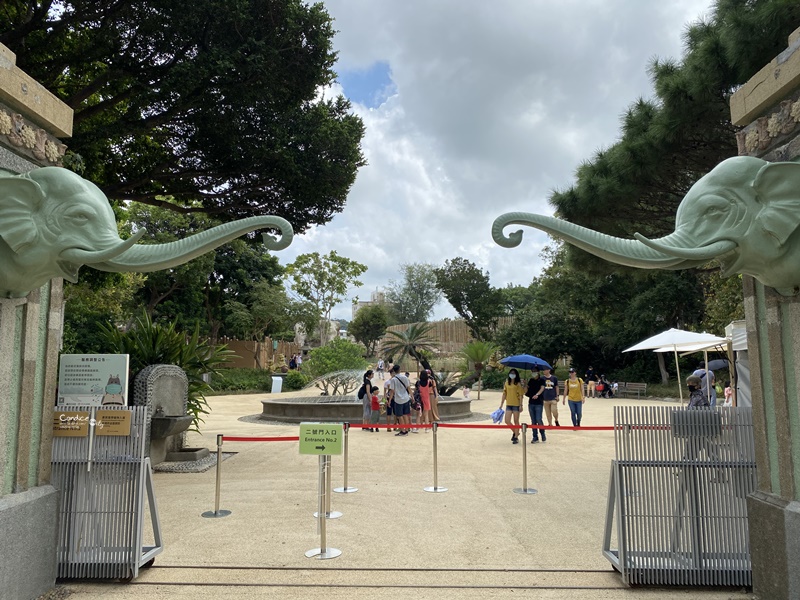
{"x": 663, "y": 368}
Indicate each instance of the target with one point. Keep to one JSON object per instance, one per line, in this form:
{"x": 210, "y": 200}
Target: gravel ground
{"x": 256, "y": 419}
{"x": 191, "y": 466}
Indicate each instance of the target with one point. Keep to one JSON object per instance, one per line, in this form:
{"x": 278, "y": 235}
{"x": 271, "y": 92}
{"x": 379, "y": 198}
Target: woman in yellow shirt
{"x": 513, "y": 392}
{"x": 573, "y": 391}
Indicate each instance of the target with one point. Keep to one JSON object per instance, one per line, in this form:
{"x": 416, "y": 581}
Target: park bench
{"x": 629, "y": 389}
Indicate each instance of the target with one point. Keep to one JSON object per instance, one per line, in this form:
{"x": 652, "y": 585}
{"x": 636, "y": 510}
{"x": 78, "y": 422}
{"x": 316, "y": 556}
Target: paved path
{"x": 477, "y": 540}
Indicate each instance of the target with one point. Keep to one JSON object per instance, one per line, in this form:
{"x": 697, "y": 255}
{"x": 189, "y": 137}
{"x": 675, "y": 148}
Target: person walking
{"x": 401, "y": 398}
{"x": 707, "y": 383}
{"x": 513, "y": 393}
{"x": 434, "y": 396}
{"x": 573, "y": 391}
{"x": 536, "y": 405}
{"x": 591, "y": 382}
{"x": 381, "y": 367}
{"x": 550, "y": 396}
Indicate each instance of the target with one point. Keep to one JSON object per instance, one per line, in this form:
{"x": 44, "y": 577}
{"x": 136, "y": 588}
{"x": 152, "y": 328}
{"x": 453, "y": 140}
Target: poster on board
{"x": 93, "y": 380}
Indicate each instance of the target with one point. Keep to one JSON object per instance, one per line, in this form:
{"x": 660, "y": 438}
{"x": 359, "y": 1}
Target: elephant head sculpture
{"x": 52, "y": 221}
{"x": 745, "y": 213}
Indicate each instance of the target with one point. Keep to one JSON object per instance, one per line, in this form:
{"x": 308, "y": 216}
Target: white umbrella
{"x": 674, "y": 340}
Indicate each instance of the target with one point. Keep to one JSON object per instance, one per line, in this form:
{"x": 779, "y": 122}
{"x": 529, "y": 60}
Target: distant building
{"x": 377, "y": 297}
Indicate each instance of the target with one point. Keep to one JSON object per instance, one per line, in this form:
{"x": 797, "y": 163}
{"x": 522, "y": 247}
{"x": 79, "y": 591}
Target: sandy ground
{"x": 477, "y": 540}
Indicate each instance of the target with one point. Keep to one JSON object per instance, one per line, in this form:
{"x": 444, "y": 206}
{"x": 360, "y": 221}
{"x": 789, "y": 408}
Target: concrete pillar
{"x": 768, "y": 109}
{"x": 30, "y": 339}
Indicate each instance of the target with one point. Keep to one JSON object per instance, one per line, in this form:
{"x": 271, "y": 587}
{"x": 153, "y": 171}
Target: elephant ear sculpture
{"x": 52, "y": 222}
{"x": 744, "y": 213}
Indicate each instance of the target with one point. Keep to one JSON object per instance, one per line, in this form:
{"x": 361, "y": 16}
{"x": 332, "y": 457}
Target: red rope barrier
{"x": 261, "y": 439}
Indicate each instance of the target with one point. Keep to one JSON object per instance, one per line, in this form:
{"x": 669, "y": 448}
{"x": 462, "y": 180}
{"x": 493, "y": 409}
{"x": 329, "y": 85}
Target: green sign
{"x": 321, "y": 438}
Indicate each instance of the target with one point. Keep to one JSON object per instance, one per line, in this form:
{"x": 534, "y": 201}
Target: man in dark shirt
{"x": 536, "y": 405}
{"x": 550, "y": 397}
{"x": 590, "y": 377}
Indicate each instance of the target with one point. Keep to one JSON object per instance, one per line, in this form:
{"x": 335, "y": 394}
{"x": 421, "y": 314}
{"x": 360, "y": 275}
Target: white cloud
{"x": 493, "y": 105}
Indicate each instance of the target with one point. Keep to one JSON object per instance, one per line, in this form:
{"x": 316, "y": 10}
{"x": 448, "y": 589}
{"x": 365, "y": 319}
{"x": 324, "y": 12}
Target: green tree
{"x": 209, "y": 101}
{"x": 337, "y": 365}
{"x": 150, "y": 343}
{"x": 369, "y": 326}
{"x": 478, "y": 353}
{"x": 468, "y": 291}
{"x": 413, "y": 298}
{"x": 412, "y": 341}
{"x": 324, "y": 280}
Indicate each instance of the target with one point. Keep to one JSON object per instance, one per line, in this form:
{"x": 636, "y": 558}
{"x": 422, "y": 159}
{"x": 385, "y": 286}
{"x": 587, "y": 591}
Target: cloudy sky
{"x": 475, "y": 108}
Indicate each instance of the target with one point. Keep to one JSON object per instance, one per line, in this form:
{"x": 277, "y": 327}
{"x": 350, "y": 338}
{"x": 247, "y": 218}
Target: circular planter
{"x": 338, "y": 409}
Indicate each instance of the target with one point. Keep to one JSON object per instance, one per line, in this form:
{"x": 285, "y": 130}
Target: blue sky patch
{"x": 370, "y": 86}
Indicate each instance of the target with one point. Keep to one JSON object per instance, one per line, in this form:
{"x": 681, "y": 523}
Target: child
{"x": 390, "y": 418}
{"x": 728, "y": 394}
{"x": 376, "y": 408}
{"x": 465, "y": 391}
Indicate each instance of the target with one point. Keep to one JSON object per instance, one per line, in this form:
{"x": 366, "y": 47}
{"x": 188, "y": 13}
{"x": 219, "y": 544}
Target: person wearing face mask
{"x": 512, "y": 398}
{"x": 536, "y": 405}
{"x": 697, "y": 398}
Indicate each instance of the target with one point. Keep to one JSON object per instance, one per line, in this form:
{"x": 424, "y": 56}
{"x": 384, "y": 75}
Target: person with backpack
{"x": 573, "y": 391}
{"x": 399, "y": 394}
{"x": 365, "y": 395}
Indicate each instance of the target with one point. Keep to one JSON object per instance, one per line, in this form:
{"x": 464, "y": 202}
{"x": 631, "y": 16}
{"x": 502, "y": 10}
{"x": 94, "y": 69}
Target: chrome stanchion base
{"x": 334, "y": 514}
{"x": 329, "y": 553}
{"x": 435, "y": 490}
{"x": 210, "y": 514}
{"x": 525, "y": 491}
{"x": 345, "y": 490}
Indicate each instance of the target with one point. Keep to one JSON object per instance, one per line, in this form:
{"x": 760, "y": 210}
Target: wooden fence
{"x": 253, "y": 355}
{"x": 450, "y": 336}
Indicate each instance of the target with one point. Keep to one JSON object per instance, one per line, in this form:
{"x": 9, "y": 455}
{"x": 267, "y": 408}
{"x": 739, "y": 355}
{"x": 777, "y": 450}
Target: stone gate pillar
{"x": 30, "y": 337}
{"x": 768, "y": 107}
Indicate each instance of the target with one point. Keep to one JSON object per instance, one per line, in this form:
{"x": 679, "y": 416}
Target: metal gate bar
{"x": 677, "y": 493}
{"x": 101, "y": 525}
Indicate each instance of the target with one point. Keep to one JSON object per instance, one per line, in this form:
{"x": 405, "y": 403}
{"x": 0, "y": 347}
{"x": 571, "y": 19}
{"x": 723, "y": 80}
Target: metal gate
{"x": 677, "y": 492}
{"x": 102, "y": 480}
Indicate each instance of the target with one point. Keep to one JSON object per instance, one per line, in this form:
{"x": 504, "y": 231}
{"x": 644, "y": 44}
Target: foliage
{"x": 724, "y": 301}
{"x": 411, "y": 341}
{"x": 210, "y": 101}
{"x": 369, "y": 326}
{"x": 324, "y": 280}
{"x": 494, "y": 379}
{"x": 100, "y": 298}
{"x": 478, "y": 354}
{"x": 516, "y": 297}
{"x": 412, "y": 299}
{"x": 468, "y": 291}
{"x": 337, "y": 355}
{"x": 150, "y": 343}
{"x": 235, "y": 380}
{"x": 295, "y": 380}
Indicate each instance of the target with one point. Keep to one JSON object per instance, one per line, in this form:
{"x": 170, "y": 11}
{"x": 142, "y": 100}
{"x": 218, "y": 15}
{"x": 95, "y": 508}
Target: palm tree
{"x": 410, "y": 342}
{"x": 478, "y": 353}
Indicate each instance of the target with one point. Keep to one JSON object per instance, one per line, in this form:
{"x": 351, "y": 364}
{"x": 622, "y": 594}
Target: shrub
{"x": 295, "y": 380}
{"x": 337, "y": 355}
{"x": 494, "y": 379}
{"x": 236, "y": 380}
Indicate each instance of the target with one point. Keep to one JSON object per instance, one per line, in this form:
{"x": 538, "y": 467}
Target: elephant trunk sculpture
{"x": 53, "y": 221}
{"x": 744, "y": 213}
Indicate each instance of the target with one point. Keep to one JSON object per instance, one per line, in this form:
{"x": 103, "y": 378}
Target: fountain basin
{"x": 163, "y": 427}
{"x": 339, "y": 409}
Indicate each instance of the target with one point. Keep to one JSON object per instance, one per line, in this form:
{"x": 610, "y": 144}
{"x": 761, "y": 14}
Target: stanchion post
{"x": 323, "y": 552}
{"x": 217, "y": 512}
{"x": 345, "y": 489}
{"x": 524, "y": 489}
{"x": 329, "y": 514}
{"x": 435, "y": 489}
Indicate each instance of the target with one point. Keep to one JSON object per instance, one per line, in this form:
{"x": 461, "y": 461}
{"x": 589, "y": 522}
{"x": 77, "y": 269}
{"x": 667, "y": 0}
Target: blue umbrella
{"x": 525, "y": 361}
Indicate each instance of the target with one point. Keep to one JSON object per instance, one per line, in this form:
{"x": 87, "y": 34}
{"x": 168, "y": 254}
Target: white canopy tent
{"x": 722, "y": 345}
{"x": 674, "y": 340}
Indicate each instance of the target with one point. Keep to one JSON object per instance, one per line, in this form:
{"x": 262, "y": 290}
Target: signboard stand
{"x": 323, "y": 552}
{"x": 524, "y": 489}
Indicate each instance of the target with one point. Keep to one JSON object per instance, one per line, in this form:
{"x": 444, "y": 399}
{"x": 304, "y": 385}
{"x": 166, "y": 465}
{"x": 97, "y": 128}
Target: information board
{"x": 321, "y": 438}
{"x": 93, "y": 380}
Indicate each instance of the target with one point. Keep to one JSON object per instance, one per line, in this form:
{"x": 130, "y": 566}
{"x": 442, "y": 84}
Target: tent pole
{"x": 678, "y": 368}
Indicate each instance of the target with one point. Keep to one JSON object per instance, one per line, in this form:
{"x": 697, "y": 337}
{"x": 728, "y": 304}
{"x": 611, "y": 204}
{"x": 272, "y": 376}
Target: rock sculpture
{"x": 744, "y": 213}
{"x": 52, "y": 222}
